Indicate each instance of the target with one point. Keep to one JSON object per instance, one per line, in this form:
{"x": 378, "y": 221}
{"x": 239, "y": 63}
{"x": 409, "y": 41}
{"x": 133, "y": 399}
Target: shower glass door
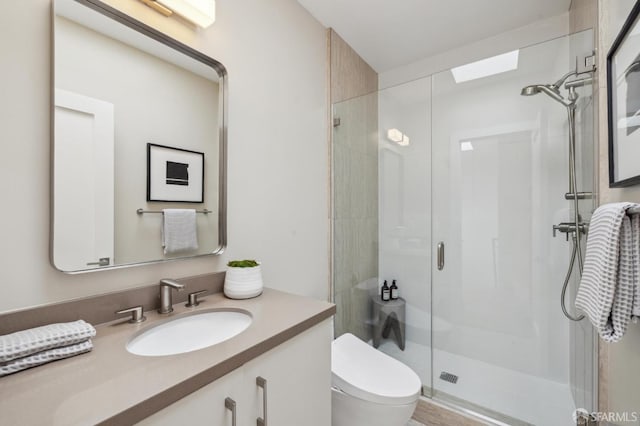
{"x": 500, "y": 343}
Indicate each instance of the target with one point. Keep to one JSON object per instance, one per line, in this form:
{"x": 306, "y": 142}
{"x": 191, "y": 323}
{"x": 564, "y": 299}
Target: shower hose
{"x": 575, "y": 237}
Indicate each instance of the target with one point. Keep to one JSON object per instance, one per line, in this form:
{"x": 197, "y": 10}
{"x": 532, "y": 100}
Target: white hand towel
{"x": 179, "y": 231}
{"x": 610, "y": 277}
{"x": 44, "y": 357}
{"x": 27, "y": 342}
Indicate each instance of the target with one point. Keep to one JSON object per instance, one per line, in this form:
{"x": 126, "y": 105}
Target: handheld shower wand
{"x": 576, "y": 228}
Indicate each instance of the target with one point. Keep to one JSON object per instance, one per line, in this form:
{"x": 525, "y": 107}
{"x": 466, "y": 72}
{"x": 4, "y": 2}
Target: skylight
{"x": 486, "y": 67}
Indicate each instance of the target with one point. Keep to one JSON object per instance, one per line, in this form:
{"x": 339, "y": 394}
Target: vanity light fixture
{"x": 395, "y": 135}
{"x": 486, "y": 67}
{"x": 200, "y": 12}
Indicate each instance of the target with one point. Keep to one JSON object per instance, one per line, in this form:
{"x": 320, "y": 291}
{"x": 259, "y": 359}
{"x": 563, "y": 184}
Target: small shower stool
{"x": 387, "y": 317}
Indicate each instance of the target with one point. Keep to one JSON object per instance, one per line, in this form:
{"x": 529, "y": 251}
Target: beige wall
{"x": 278, "y": 193}
{"x": 619, "y": 362}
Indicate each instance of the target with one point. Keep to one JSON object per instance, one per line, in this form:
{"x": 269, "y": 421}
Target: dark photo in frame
{"x": 174, "y": 174}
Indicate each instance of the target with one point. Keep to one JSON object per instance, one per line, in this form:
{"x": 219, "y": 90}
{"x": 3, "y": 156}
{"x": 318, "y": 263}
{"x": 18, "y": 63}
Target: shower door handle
{"x": 440, "y": 252}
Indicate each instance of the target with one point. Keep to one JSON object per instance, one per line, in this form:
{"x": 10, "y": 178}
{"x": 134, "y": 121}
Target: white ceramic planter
{"x": 243, "y": 283}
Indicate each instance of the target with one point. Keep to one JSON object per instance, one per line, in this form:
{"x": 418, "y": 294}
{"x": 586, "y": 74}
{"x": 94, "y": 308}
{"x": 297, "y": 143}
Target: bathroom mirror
{"x": 139, "y": 126}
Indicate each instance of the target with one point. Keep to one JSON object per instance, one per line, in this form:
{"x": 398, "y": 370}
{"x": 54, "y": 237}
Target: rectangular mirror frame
{"x": 148, "y": 31}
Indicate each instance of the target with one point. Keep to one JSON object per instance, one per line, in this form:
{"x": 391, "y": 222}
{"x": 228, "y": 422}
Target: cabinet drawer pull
{"x": 262, "y": 383}
{"x": 230, "y": 404}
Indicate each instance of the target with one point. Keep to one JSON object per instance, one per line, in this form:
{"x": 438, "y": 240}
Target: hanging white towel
{"x": 44, "y": 357}
{"x": 610, "y": 278}
{"x": 27, "y": 342}
{"x": 179, "y": 232}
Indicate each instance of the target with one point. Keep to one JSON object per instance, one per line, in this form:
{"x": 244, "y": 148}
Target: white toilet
{"x": 369, "y": 388}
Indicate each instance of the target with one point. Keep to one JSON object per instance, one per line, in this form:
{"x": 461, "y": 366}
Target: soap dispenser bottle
{"x": 385, "y": 293}
{"x": 393, "y": 290}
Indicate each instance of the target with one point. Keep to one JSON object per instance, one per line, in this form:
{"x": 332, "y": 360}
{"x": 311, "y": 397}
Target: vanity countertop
{"x": 112, "y": 386}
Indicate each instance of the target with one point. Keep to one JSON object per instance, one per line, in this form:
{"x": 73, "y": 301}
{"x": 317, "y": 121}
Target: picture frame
{"x": 174, "y": 175}
{"x": 623, "y": 102}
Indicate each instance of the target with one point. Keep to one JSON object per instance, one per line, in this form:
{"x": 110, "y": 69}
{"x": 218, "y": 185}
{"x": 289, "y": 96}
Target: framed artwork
{"x": 623, "y": 99}
{"x": 174, "y": 175}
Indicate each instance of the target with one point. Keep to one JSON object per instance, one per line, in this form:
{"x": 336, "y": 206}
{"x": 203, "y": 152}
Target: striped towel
{"x": 44, "y": 357}
{"x": 26, "y": 342}
{"x": 609, "y": 285}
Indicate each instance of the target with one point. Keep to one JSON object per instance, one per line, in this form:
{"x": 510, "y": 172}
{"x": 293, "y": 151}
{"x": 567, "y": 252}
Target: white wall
{"x": 536, "y": 32}
{"x": 495, "y": 304}
{"x": 405, "y": 213}
{"x": 454, "y": 112}
{"x": 278, "y": 193}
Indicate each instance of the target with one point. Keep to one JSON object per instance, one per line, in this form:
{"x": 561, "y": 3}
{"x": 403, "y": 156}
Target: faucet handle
{"x": 137, "y": 314}
{"x": 193, "y": 298}
{"x": 171, "y": 283}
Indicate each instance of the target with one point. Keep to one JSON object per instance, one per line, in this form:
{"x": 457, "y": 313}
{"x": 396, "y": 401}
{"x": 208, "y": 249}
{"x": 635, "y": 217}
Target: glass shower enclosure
{"x": 478, "y": 173}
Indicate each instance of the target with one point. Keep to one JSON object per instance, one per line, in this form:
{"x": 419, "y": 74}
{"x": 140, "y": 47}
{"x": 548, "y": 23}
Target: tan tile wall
{"x": 351, "y": 76}
{"x": 619, "y": 364}
{"x": 355, "y": 185}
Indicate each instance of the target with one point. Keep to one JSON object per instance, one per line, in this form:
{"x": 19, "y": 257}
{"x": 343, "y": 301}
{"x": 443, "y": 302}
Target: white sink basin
{"x": 189, "y": 332}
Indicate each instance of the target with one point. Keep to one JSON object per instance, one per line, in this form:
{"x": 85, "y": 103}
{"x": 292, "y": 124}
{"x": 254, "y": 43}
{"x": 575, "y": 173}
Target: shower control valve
{"x": 569, "y": 228}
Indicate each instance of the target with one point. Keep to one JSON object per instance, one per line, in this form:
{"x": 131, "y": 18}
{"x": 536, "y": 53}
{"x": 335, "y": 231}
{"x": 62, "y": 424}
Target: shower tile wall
{"x": 355, "y": 213}
{"x": 355, "y": 187}
{"x": 582, "y": 335}
{"x": 619, "y": 362}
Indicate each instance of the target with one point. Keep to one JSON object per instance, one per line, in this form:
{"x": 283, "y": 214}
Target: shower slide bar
{"x": 581, "y": 195}
{"x": 141, "y": 211}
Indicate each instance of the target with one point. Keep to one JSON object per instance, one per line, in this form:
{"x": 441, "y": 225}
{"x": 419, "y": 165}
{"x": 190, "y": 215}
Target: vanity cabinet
{"x": 298, "y": 388}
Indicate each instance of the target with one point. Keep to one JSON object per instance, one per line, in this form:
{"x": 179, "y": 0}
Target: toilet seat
{"x": 361, "y": 371}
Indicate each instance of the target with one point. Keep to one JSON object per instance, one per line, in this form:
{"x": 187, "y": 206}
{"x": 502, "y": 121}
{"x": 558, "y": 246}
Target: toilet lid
{"x": 366, "y": 373}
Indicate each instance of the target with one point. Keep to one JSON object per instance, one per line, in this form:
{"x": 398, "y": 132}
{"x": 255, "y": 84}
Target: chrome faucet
{"x": 166, "y": 285}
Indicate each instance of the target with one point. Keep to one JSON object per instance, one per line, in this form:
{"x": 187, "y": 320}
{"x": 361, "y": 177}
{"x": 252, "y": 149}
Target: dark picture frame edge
{"x": 149, "y": 148}
{"x": 626, "y": 28}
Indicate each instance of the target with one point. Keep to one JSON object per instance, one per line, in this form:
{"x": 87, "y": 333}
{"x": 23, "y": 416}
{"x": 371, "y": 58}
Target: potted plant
{"x": 243, "y": 279}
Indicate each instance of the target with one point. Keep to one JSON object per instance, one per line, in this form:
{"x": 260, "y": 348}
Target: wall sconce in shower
{"x": 395, "y": 135}
{"x": 200, "y": 12}
{"x": 466, "y": 146}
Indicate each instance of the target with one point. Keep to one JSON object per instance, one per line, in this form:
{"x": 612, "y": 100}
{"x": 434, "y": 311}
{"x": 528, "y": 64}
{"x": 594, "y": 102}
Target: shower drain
{"x": 448, "y": 377}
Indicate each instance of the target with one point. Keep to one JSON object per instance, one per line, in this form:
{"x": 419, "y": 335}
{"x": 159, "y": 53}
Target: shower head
{"x": 549, "y": 89}
{"x": 530, "y": 90}
{"x": 553, "y": 90}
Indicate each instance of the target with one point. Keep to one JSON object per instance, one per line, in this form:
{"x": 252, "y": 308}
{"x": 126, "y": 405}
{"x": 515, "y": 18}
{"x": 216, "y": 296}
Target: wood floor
{"x": 432, "y": 414}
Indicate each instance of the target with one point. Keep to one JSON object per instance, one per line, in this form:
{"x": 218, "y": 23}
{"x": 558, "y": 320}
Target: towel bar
{"x": 141, "y": 211}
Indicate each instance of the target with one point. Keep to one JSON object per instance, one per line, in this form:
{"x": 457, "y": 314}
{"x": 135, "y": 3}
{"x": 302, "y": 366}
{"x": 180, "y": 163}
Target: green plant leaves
{"x": 243, "y": 263}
